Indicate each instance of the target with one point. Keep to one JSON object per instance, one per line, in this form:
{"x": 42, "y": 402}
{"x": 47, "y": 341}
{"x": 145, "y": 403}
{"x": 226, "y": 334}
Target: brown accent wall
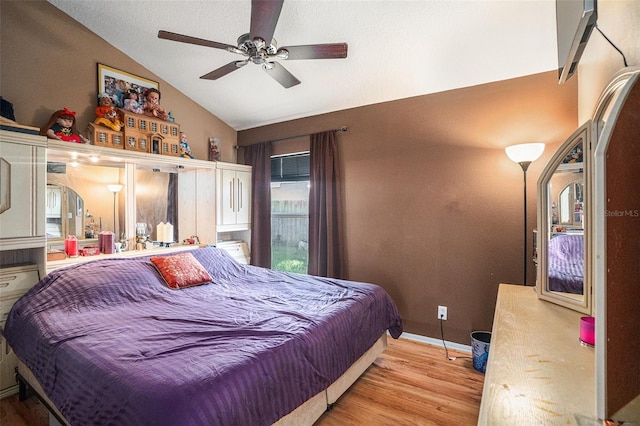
{"x": 434, "y": 208}
{"x": 49, "y": 61}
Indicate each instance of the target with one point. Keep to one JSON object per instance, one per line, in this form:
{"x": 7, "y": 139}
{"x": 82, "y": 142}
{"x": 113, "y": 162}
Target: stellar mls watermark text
{"x": 622, "y": 213}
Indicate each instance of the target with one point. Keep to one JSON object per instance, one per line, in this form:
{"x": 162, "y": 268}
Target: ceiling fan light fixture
{"x": 282, "y": 54}
{"x": 259, "y": 57}
{"x": 255, "y": 47}
{"x": 236, "y": 50}
{"x": 259, "y": 43}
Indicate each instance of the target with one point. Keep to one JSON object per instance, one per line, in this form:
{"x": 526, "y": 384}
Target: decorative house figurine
{"x": 138, "y": 132}
{"x": 62, "y": 126}
{"x": 106, "y": 113}
{"x": 185, "y": 150}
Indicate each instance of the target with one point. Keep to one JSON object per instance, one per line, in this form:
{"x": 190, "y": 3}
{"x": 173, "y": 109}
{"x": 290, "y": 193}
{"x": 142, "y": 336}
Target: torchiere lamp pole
{"x": 525, "y": 154}
{"x": 115, "y": 189}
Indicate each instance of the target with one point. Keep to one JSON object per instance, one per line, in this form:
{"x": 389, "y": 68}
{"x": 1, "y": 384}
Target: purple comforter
{"x": 566, "y": 263}
{"x": 111, "y": 344}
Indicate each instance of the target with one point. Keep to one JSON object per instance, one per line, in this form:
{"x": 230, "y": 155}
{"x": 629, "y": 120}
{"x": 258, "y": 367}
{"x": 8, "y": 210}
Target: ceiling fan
{"x": 255, "y": 48}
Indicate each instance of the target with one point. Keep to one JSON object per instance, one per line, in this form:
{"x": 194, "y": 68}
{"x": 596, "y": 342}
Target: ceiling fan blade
{"x": 224, "y": 70}
{"x": 264, "y": 17}
{"x": 317, "y": 51}
{"x": 193, "y": 40}
{"x": 280, "y": 74}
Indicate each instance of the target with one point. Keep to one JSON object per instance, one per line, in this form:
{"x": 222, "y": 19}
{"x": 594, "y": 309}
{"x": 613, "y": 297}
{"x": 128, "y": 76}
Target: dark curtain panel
{"x": 172, "y": 203}
{"x": 326, "y": 249}
{"x": 259, "y": 157}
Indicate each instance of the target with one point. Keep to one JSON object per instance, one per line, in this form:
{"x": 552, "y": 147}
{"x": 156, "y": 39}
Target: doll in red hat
{"x": 62, "y": 126}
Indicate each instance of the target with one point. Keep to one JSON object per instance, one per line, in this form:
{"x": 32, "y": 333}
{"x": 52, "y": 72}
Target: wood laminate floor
{"x": 411, "y": 383}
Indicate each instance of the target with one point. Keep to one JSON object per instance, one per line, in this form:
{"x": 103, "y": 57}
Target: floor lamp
{"x": 524, "y": 154}
{"x": 115, "y": 189}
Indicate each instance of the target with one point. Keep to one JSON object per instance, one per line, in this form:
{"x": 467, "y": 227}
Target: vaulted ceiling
{"x": 396, "y": 49}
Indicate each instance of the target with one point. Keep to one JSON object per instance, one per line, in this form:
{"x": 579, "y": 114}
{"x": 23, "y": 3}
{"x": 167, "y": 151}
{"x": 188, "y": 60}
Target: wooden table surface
{"x": 538, "y": 370}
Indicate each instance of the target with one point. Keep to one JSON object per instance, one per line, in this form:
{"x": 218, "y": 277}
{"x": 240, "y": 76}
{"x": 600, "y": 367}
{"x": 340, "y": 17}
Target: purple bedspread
{"x": 112, "y": 345}
{"x": 566, "y": 263}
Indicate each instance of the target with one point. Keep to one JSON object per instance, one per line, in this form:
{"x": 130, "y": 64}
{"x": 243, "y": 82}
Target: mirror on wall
{"x": 571, "y": 202}
{"x": 79, "y": 201}
{"x": 154, "y": 203}
{"x": 563, "y": 264}
{"x": 64, "y": 212}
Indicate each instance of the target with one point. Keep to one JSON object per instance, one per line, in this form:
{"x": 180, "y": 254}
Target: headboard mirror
{"x": 153, "y": 201}
{"x": 64, "y": 212}
{"x": 563, "y": 274}
{"x": 79, "y": 201}
{"x": 571, "y": 201}
{"x": 152, "y": 190}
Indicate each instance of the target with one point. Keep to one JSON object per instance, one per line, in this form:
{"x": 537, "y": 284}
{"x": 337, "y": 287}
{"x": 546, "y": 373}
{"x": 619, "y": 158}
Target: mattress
{"x": 304, "y": 415}
{"x": 110, "y": 343}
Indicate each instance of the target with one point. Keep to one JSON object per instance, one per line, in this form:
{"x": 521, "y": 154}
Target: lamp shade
{"x": 114, "y": 188}
{"x": 524, "y": 152}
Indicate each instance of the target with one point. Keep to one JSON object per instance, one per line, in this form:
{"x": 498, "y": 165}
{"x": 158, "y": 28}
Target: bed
{"x": 108, "y": 342}
{"x": 566, "y": 263}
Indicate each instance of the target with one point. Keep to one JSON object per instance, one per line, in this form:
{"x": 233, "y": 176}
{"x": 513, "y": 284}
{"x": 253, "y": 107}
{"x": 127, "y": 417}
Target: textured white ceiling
{"x": 397, "y": 49}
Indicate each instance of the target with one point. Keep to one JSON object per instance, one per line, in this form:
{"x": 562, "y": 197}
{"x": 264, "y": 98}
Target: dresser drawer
{"x": 15, "y": 281}
{"x": 5, "y": 307}
{"x": 237, "y": 249}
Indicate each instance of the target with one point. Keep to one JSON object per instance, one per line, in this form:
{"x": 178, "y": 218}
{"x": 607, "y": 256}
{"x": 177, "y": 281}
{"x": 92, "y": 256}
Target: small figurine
{"x": 62, "y": 126}
{"x": 185, "y": 150}
{"x": 131, "y": 102}
{"x": 151, "y": 106}
{"x": 106, "y": 113}
{"x": 214, "y": 153}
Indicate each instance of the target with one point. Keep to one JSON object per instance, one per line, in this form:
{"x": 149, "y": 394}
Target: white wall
{"x": 620, "y": 21}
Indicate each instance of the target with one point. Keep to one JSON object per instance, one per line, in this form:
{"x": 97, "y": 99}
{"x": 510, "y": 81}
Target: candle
{"x": 108, "y": 241}
{"x": 168, "y": 233}
{"x": 160, "y": 232}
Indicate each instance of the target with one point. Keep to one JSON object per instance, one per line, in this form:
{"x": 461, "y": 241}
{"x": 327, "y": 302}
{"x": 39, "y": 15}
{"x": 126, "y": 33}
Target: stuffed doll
{"x": 131, "y": 102}
{"x": 151, "y": 106}
{"x": 62, "y": 126}
{"x": 185, "y": 150}
{"x": 107, "y": 114}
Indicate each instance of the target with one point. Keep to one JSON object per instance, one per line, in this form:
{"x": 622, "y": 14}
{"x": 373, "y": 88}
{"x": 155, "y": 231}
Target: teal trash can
{"x": 480, "y": 342}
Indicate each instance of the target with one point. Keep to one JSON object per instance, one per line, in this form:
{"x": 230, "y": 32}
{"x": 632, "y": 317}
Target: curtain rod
{"x": 341, "y": 129}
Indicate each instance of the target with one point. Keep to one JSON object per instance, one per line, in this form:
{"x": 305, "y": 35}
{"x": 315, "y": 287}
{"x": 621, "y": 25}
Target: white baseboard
{"x": 436, "y": 342}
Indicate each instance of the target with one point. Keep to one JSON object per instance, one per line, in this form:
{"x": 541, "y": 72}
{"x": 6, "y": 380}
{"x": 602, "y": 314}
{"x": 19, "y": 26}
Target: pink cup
{"x": 587, "y": 330}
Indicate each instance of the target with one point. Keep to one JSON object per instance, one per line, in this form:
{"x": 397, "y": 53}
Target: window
{"x": 290, "y": 168}
{"x": 290, "y": 212}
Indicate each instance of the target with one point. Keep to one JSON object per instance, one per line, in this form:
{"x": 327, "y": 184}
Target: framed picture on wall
{"x": 116, "y": 83}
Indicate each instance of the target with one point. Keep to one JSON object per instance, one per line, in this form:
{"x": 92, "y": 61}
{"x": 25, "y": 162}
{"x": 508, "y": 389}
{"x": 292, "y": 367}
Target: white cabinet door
{"x": 196, "y": 205}
{"x": 54, "y": 201}
{"x": 22, "y": 185}
{"x": 243, "y": 198}
{"x": 226, "y": 200}
{"x": 234, "y": 198}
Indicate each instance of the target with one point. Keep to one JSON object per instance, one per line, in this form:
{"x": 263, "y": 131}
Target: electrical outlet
{"x": 442, "y": 312}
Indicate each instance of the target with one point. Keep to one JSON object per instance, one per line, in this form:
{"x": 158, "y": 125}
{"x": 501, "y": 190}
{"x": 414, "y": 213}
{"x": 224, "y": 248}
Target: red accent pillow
{"x": 181, "y": 270}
